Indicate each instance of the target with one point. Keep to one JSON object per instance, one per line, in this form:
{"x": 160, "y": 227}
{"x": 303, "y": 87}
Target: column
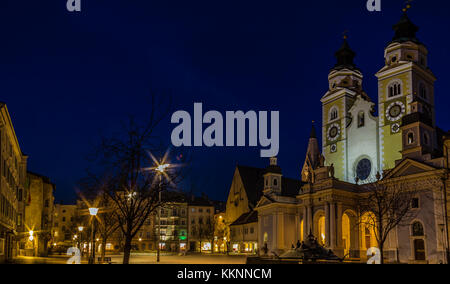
{"x": 310, "y": 223}
{"x": 305, "y": 223}
{"x": 327, "y": 226}
{"x": 332, "y": 225}
{"x": 339, "y": 226}
{"x": 281, "y": 240}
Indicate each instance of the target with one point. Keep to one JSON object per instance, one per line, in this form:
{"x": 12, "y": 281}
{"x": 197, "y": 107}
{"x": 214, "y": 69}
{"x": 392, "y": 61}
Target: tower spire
{"x": 345, "y": 55}
{"x": 405, "y": 30}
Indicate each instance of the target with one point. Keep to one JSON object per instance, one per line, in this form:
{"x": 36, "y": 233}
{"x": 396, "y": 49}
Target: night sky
{"x": 69, "y": 77}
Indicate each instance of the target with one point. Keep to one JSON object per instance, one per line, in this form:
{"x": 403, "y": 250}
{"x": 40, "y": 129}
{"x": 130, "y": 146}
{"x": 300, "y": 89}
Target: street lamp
{"x": 93, "y": 212}
{"x": 161, "y": 169}
{"x": 80, "y": 240}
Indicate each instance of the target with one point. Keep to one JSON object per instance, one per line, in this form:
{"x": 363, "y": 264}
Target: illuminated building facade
{"x": 39, "y": 213}
{"x": 13, "y": 166}
{"x": 402, "y": 146}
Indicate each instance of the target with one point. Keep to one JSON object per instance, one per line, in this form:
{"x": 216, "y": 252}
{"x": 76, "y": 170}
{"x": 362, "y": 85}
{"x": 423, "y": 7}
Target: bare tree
{"x": 386, "y": 205}
{"x": 129, "y": 173}
{"x": 108, "y": 222}
{"x": 204, "y": 230}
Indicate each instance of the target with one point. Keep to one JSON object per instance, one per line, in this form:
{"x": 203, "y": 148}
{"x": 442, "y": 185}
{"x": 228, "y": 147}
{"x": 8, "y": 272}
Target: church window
{"x": 417, "y": 229}
{"x": 415, "y": 203}
{"x": 422, "y": 60}
{"x": 395, "y": 89}
{"x": 361, "y": 119}
{"x": 410, "y": 138}
{"x": 363, "y": 169}
{"x": 334, "y": 113}
{"x": 423, "y": 91}
{"x": 275, "y": 182}
{"x": 426, "y": 139}
{"x": 394, "y": 59}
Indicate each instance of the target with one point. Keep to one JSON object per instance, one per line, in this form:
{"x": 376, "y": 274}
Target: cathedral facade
{"x": 400, "y": 146}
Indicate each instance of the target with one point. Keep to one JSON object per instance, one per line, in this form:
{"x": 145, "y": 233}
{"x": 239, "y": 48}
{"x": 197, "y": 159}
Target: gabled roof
{"x": 253, "y": 180}
{"x": 409, "y": 167}
{"x": 246, "y": 218}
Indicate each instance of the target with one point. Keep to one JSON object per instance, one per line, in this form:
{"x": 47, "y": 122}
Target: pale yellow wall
{"x": 237, "y": 196}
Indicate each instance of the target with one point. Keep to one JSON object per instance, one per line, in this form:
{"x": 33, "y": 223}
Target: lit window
{"x": 410, "y": 138}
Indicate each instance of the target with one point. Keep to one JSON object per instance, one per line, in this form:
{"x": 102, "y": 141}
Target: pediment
{"x": 264, "y": 201}
{"x": 409, "y": 167}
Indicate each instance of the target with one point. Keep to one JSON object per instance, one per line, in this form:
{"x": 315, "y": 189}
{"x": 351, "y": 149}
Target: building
{"x": 201, "y": 227}
{"x": 65, "y": 226}
{"x": 244, "y": 233}
{"x": 13, "y": 165}
{"x": 401, "y": 147}
{"x": 174, "y": 226}
{"x": 248, "y": 186}
{"x": 39, "y": 213}
{"x": 221, "y": 232}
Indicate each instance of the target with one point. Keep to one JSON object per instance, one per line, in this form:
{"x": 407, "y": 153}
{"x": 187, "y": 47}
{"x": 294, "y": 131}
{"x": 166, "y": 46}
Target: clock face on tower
{"x": 395, "y": 111}
{"x": 333, "y": 132}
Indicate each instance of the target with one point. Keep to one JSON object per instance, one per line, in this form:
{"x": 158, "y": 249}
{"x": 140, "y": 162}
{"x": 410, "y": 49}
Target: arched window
{"x": 426, "y": 138}
{"x": 394, "y": 89}
{"x": 361, "y": 119}
{"x": 423, "y": 91}
{"x": 417, "y": 229}
{"x": 334, "y": 113}
{"x": 275, "y": 182}
{"x": 410, "y": 138}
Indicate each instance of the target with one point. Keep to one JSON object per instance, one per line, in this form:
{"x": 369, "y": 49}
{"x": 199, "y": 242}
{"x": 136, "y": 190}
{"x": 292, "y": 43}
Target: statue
{"x": 310, "y": 178}
{"x": 331, "y": 170}
{"x": 321, "y": 161}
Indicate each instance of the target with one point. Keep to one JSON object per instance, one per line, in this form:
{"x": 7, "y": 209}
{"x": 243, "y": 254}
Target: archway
{"x": 418, "y": 237}
{"x": 350, "y": 234}
{"x": 319, "y": 227}
{"x": 367, "y": 231}
{"x": 301, "y": 230}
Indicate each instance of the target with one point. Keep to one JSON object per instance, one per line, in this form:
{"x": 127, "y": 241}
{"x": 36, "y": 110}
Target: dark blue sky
{"x": 68, "y": 77}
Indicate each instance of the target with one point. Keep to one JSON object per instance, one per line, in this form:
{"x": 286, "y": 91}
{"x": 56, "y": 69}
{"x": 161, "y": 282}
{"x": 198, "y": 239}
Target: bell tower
{"x": 272, "y": 178}
{"x": 344, "y": 85}
{"x": 404, "y": 79}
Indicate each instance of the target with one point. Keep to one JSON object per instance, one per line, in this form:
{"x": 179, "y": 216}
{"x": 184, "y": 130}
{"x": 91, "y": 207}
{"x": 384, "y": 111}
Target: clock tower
{"x": 344, "y": 86}
{"x": 404, "y": 79}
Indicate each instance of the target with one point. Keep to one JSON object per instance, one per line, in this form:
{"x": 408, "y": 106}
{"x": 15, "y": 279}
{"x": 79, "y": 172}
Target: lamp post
{"x": 93, "y": 212}
{"x": 80, "y": 240}
{"x": 160, "y": 168}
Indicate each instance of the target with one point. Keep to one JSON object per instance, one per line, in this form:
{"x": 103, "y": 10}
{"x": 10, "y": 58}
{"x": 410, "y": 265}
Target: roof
{"x": 345, "y": 56}
{"x": 45, "y": 179}
{"x": 290, "y": 187}
{"x": 405, "y": 30}
{"x": 253, "y": 180}
{"x": 246, "y": 218}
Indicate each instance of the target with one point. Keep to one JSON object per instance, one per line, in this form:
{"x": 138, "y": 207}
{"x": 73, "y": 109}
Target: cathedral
{"x": 400, "y": 145}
